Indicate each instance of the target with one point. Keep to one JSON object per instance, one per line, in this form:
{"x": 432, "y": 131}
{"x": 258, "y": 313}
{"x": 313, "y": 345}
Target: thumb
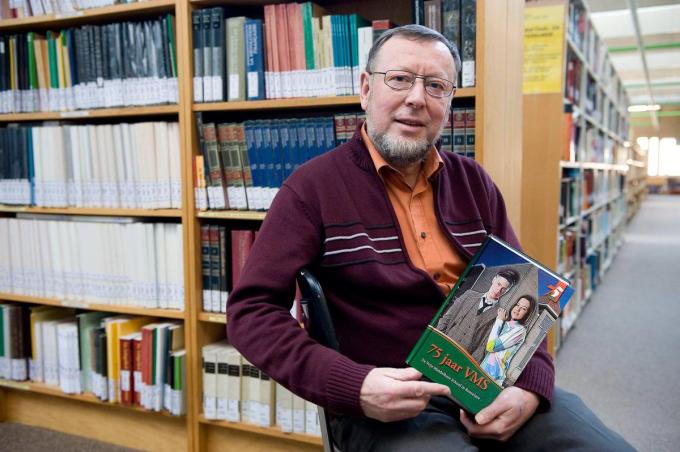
{"x": 488, "y": 414}
{"x": 405, "y": 374}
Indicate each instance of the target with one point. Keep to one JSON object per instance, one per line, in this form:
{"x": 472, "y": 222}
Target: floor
{"x": 619, "y": 357}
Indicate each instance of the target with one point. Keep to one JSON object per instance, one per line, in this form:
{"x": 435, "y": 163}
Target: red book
{"x": 137, "y": 369}
{"x": 126, "y": 381}
{"x": 241, "y": 242}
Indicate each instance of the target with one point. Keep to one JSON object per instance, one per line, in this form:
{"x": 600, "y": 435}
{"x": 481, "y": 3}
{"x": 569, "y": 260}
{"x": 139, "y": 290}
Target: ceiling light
{"x": 639, "y": 108}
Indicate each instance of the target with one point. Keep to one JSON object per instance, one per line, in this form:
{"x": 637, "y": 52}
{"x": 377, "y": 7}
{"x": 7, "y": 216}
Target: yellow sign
{"x": 543, "y": 49}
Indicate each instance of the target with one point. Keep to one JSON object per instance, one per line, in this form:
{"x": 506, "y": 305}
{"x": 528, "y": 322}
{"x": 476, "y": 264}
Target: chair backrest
{"x": 320, "y": 327}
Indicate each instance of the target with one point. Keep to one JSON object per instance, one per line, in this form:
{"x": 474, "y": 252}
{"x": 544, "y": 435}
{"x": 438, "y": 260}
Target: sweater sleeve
{"x": 539, "y": 374}
{"x": 259, "y": 322}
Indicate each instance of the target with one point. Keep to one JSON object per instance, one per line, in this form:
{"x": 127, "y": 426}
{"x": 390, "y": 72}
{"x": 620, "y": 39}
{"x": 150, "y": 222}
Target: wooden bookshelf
{"x": 87, "y": 16}
{"x": 575, "y": 151}
{"x": 163, "y": 213}
{"x": 212, "y": 317}
{"x": 42, "y": 388}
{"x": 232, "y": 215}
{"x": 132, "y": 310}
{"x": 103, "y": 113}
{"x": 497, "y": 100}
{"x": 267, "y": 431}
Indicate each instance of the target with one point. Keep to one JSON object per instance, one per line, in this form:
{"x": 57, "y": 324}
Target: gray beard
{"x": 396, "y": 151}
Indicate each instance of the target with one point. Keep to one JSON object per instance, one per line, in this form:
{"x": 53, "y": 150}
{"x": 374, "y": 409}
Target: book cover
{"x": 490, "y": 324}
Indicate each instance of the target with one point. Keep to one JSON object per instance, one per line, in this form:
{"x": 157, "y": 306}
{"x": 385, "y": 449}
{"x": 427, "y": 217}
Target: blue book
{"x": 253, "y": 158}
{"x": 267, "y": 155}
{"x": 329, "y": 130}
{"x": 254, "y": 60}
{"x": 302, "y": 150}
{"x": 276, "y": 165}
{"x": 320, "y": 136}
{"x": 284, "y": 154}
{"x": 30, "y": 164}
{"x": 292, "y": 149}
{"x": 311, "y": 138}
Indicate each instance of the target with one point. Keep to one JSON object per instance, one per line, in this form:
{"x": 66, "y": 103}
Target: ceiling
{"x": 659, "y": 22}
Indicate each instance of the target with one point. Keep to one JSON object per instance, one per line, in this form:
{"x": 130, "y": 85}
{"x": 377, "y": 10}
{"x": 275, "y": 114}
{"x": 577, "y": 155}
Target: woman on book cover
{"x": 507, "y": 335}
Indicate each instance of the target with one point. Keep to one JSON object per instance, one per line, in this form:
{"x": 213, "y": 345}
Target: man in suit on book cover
{"x": 470, "y": 317}
{"x": 387, "y": 223}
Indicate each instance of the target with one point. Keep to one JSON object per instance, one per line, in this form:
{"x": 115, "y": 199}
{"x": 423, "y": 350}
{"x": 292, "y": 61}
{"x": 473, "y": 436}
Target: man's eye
{"x": 436, "y": 85}
{"x": 400, "y": 78}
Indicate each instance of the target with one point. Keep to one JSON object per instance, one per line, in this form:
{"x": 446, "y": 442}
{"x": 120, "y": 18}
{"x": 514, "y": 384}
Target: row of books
{"x": 12, "y": 9}
{"x": 457, "y": 21}
{"x": 113, "y": 261}
{"x": 111, "y": 165}
{"x": 242, "y": 165}
{"x": 235, "y": 390}
{"x": 297, "y": 51}
{"x": 566, "y": 254}
{"x": 600, "y": 186}
{"x": 223, "y": 255}
{"x": 93, "y": 66}
{"x": 570, "y": 194}
{"x": 458, "y": 134}
{"x": 118, "y": 358}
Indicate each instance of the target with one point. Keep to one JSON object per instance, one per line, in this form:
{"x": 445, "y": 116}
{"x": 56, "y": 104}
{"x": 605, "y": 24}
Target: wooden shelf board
{"x": 275, "y": 104}
{"x": 214, "y": 317}
{"x": 268, "y": 431}
{"x": 42, "y": 388}
{"x": 88, "y": 15}
{"x": 165, "y": 313}
{"x": 113, "y": 113}
{"x": 170, "y": 213}
{"x": 299, "y": 102}
{"x": 232, "y": 214}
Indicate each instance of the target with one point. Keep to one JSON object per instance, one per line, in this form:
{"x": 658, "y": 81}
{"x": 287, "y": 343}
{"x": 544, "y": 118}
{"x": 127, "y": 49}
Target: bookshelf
{"x": 497, "y": 100}
{"x": 584, "y": 176}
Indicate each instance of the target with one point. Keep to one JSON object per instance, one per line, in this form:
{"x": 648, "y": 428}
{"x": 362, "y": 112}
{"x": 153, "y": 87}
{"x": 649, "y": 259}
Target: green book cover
{"x": 52, "y": 59}
{"x": 32, "y": 72}
{"x": 490, "y": 324}
{"x": 170, "y": 23}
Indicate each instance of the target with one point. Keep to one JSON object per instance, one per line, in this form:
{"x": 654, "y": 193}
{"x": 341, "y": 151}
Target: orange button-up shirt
{"x": 426, "y": 243}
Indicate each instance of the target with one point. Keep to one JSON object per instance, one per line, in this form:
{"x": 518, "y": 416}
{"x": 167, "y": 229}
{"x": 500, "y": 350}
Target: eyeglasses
{"x": 404, "y": 80}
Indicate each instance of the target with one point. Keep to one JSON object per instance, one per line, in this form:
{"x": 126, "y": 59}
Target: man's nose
{"x": 416, "y": 95}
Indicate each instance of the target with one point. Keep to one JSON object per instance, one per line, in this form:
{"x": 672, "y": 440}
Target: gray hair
{"x": 414, "y": 33}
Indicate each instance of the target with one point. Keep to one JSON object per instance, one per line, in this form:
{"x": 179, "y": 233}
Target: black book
{"x": 197, "y": 45}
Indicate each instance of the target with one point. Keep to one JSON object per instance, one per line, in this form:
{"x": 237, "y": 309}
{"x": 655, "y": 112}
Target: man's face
{"x": 499, "y": 286}
{"x": 404, "y": 124}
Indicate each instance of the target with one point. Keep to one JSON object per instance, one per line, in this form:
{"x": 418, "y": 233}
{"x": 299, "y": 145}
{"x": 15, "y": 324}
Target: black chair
{"x": 319, "y": 325}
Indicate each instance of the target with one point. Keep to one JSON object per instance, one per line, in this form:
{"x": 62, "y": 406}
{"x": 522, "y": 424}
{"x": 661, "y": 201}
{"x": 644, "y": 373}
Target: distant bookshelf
{"x": 576, "y": 140}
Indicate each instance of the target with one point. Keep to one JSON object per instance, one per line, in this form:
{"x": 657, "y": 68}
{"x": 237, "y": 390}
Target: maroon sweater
{"x": 334, "y": 217}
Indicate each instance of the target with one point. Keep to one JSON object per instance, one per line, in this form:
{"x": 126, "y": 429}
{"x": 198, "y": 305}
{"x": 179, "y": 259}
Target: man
{"x": 387, "y": 223}
{"x": 470, "y": 317}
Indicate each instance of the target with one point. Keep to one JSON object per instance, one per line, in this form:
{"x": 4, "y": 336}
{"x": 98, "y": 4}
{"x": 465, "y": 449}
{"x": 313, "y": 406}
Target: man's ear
{"x": 365, "y": 84}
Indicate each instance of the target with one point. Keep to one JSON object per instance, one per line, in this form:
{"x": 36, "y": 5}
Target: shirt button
{"x": 423, "y": 235}
{"x": 436, "y": 276}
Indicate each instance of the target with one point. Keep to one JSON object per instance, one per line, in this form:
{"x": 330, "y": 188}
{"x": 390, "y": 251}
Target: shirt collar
{"x": 433, "y": 161}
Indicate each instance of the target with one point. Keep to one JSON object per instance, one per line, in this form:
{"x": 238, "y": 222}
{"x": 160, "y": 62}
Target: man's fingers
{"x": 420, "y": 389}
{"x": 488, "y": 414}
{"x": 406, "y": 374}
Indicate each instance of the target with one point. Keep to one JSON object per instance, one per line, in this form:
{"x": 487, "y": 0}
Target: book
{"x": 490, "y": 324}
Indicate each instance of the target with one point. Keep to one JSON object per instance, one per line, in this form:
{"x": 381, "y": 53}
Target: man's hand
{"x": 500, "y": 420}
{"x": 389, "y": 394}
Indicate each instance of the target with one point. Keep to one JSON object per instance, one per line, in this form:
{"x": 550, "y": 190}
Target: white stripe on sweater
{"x": 463, "y": 234}
{"x": 349, "y": 237}
{"x": 350, "y": 250}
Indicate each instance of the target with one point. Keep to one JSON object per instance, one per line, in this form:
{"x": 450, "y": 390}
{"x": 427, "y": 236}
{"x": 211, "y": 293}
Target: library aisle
{"x": 620, "y": 357}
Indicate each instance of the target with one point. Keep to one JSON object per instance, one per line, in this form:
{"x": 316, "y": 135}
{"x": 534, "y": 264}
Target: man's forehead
{"x": 398, "y": 46}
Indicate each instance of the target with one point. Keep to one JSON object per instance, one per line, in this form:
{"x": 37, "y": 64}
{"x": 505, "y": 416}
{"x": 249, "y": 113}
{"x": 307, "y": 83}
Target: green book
{"x": 236, "y": 59}
{"x": 490, "y": 324}
{"x": 88, "y": 321}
